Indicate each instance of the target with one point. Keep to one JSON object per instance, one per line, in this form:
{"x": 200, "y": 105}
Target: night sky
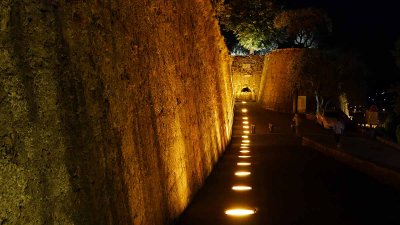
{"x": 368, "y": 28}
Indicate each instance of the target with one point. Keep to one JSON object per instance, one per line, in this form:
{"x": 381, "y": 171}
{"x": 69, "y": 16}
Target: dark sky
{"x": 367, "y": 27}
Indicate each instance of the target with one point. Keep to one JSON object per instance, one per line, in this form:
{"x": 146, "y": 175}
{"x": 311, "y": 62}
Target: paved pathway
{"x": 291, "y": 184}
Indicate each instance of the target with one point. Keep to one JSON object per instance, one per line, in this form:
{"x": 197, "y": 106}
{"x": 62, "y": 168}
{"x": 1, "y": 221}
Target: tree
{"x": 329, "y": 77}
{"x": 303, "y": 27}
{"x": 250, "y": 21}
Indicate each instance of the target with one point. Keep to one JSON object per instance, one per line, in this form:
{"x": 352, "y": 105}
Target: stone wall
{"x": 246, "y": 72}
{"x": 111, "y": 112}
{"x": 281, "y": 69}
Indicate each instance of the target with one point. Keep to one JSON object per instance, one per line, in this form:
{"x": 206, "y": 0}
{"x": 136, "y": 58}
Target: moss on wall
{"x": 111, "y": 112}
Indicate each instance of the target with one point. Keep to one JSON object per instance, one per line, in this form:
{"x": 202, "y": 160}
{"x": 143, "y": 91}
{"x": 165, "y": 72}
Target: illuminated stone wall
{"x": 281, "y": 67}
{"x": 111, "y": 112}
{"x": 246, "y": 72}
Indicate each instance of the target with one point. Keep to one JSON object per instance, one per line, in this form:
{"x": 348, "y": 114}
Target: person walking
{"x": 338, "y": 129}
{"x": 295, "y": 125}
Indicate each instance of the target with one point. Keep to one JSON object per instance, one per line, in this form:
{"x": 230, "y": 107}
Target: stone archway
{"x": 245, "y": 94}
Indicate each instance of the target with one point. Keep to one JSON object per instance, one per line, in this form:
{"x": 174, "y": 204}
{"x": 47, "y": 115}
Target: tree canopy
{"x": 302, "y": 27}
{"x": 261, "y": 24}
{"x": 250, "y": 21}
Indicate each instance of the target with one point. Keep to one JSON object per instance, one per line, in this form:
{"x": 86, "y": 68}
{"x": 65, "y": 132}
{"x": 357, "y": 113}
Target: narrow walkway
{"x": 290, "y": 183}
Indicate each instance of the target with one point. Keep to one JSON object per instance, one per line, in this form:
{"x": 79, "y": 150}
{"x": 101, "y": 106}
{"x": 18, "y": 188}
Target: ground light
{"x": 244, "y": 110}
{"x": 243, "y": 164}
{"x": 243, "y": 102}
{"x": 245, "y": 117}
{"x": 244, "y": 147}
{"x": 245, "y": 136}
{"x": 246, "y": 141}
{"x": 239, "y": 212}
{"x": 241, "y": 188}
{"x": 242, "y": 173}
{"x": 245, "y": 144}
{"x": 244, "y": 156}
{"x": 246, "y": 127}
{"x": 245, "y": 122}
{"x": 244, "y": 151}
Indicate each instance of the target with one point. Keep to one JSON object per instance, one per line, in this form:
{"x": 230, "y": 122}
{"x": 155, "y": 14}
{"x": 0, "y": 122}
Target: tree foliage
{"x": 302, "y": 27}
{"x": 250, "y": 20}
{"x": 328, "y": 75}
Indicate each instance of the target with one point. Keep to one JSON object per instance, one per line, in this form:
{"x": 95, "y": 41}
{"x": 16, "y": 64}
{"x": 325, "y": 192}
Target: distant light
{"x": 245, "y": 117}
{"x": 244, "y": 110}
{"x": 245, "y": 136}
{"x": 243, "y": 102}
{"x": 242, "y": 173}
{"x": 384, "y": 110}
{"x": 244, "y": 156}
{"x": 246, "y": 127}
{"x": 245, "y": 122}
{"x": 246, "y": 141}
{"x": 241, "y": 188}
{"x": 244, "y": 151}
{"x": 243, "y": 164}
{"x": 240, "y": 212}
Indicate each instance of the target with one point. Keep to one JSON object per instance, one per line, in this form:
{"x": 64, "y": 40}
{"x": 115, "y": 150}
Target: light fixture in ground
{"x": 239, "y": 212}
{"x": 245, "y": 136}
{"x": 246, "y": 141}
{"x": 244, "y": 102}
{"x": 244, "y": 110}
{"x": 245, "y": 118}
{"x": 244, "y": 156}
{"x": 244, "y": 151}
{"x": 244, "y": 164}
{"x": 246, "y": 132}
{"x": 245, "y": 147}
{"x": 245, "y": 122}
{"x": 244, "y": 144}
{"x": 246, "y": 127}
{"x": 241, "y": 188}
{"x": 242, "y": 173}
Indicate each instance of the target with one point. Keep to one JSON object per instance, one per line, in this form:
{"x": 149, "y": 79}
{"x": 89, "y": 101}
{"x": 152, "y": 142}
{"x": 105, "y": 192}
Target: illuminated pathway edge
{"x": 269, "y": 178}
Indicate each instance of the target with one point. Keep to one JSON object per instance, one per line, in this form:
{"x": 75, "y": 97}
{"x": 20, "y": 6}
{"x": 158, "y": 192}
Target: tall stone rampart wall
{"x": 111, "y": 112}
{"x": 246, "y": 72}
{"x": 282, "y": 68}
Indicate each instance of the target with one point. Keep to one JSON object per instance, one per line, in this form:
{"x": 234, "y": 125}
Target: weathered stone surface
{"x": 246, "y": 73}
{"x": 281, "y": 69}
{"x": 111, "y": 112}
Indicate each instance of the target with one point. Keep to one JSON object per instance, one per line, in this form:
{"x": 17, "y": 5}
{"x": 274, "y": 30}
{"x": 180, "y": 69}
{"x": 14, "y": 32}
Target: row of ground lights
{"x": 244, "y": 154}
